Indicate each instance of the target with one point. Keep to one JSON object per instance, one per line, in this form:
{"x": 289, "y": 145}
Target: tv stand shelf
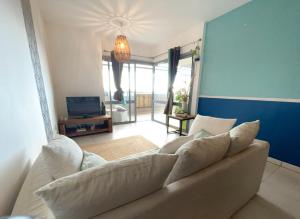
{"x": 89, "y": 124}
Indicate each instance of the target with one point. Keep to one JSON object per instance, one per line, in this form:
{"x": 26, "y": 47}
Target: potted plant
{"x": 182, "y": 97}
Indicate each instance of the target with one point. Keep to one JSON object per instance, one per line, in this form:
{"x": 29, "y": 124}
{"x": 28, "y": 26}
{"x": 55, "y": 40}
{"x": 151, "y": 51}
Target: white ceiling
{"x": 151, "y": 21}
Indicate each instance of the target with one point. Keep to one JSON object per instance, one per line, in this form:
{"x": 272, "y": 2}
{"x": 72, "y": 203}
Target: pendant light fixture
{"x": 121, "y": 48}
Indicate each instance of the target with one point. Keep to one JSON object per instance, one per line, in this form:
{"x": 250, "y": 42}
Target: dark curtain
{"x": 117, "y": 72}
{"x": 173, "y": 57}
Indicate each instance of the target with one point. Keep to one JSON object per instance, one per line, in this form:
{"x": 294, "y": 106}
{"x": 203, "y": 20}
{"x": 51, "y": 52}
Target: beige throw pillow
{"x": 198, "y": 154}
{"x": 242, "y": 136}
{"x": 212, "y": 125}
{"x": 96, "y": 190}
{"x": 63, "y": 157}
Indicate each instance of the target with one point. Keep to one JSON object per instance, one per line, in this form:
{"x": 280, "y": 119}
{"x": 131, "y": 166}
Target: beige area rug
{"x": 116, "y": 149}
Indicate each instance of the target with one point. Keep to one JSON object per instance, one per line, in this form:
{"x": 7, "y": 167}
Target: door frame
{"x": 182, "y": 56}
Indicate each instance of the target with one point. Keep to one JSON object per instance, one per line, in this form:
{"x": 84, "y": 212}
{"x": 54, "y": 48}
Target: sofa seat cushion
{"x": 97, "y": 190}
{"x": 212, "y": 125}
{"x": 242, "y": 136}
{"x": 63, "y": 157}
{"x": 198, "y": 154}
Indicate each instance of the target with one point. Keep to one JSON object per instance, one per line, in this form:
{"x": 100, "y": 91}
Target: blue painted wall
{"x": 254, "y": 51}
{"x": 279, "y": 122}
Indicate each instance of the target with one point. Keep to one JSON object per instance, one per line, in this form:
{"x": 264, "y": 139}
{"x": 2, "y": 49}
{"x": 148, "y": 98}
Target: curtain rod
{"x": 187, "y": 44}
{"x": 199, "y": 40}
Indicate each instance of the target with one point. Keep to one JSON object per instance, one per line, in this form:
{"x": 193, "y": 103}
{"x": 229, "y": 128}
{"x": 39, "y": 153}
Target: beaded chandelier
{"x": 122, "y": 50}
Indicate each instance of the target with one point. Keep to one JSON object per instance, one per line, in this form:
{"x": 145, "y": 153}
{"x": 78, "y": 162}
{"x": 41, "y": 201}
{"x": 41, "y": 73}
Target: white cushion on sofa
{"x": 63, "y": 156}
{"x": 96, "y": 190}
{"x": 91, "y": 160}
{"x": 172, "y": 146}
{"x": 198, "y": 154}
{"x": 242, "y": 136}
{"x": 212, "y": 125}
{"x": 27, "y": 202}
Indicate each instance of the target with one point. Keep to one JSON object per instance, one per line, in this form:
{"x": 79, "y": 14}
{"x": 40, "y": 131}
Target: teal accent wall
{"x": 254, "y": 51}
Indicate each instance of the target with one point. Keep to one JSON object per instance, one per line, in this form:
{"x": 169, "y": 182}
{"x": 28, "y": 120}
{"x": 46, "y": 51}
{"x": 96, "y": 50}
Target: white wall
{"x": 75, "y": 59}
{"x": 41, "y": 38}
{"x": 22, "y": 129}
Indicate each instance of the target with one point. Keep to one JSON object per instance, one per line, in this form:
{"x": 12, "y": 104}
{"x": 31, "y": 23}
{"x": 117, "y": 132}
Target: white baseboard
{"x": 275, "y": 161}
{"x": 284, "y": 164}
{"x": 291, "y": 167}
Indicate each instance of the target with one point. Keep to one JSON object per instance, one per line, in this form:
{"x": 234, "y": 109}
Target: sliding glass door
{"x": 145, "y": 87}
{"x": 121, "y": 111}
{"x": 182, "y": 81}
{"x": 160, "y": 89}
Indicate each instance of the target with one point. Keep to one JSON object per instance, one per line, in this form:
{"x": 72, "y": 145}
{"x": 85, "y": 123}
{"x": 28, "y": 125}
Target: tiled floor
{"x": 279, "y": 194}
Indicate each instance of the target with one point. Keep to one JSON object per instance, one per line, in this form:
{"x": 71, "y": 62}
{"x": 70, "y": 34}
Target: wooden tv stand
{"x": 85, "y": 126}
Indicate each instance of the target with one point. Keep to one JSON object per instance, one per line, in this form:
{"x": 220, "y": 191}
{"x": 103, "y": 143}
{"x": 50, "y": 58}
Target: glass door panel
{"x": 144, "y": 87}
{"x": 121, "y": 111}
{"x": 183, "y": 81}
{"x": 132, "y": 95}
{"x": 160, "y": 91}
{"x": 106, "y": 86}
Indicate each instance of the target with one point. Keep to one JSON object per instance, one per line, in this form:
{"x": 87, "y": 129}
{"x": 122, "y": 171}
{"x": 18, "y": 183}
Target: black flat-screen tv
{"x": 82, "y": 107}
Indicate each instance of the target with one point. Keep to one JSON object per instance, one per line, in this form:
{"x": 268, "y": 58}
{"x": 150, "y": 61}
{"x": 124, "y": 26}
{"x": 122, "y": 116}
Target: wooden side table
{"x": 180, "y": 119}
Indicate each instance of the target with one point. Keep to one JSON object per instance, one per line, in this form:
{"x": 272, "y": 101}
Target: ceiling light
{"x": 122, "y": 50}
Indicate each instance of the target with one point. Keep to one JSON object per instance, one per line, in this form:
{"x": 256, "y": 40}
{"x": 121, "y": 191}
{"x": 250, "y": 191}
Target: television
{"x": 83, "y": 107}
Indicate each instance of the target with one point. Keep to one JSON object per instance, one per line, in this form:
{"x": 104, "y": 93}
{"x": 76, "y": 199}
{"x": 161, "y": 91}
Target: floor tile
{"x": 283, "y": 189}
{"x": 260, "y": 208}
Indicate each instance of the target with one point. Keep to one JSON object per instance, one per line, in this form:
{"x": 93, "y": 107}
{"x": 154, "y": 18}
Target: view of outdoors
{"x": 139, "y": 83}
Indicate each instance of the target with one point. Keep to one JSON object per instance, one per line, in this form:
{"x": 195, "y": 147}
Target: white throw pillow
{"x": 242, "y": 136}
{"x": 198, "y": 154}
{"x": 212, "y": 125}
{"x": 202, "y": 134}
{"x": 63, "y": 157}
{"x": 97, "y": 190}
{"x": 27, "y": 202}
{"x": 91, "y": 160}
{"x": 172, "y": 146}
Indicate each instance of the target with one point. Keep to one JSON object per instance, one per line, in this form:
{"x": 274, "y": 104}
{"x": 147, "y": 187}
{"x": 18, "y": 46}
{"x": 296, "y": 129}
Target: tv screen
{"x": 79, "y": 107}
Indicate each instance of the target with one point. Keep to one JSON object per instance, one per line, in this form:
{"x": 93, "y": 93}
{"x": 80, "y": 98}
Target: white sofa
{"x": 216, "y": 192}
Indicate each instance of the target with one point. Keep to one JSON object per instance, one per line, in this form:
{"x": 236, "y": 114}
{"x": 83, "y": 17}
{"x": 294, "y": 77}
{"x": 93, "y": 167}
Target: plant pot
{"x": 185, "y": 107}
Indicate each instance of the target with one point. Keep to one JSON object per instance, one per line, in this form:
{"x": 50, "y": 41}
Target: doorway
{"x": 145, "y": 87}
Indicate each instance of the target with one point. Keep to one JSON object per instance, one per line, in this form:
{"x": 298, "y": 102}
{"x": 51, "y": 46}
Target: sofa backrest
{"x": 213, "y": 193}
